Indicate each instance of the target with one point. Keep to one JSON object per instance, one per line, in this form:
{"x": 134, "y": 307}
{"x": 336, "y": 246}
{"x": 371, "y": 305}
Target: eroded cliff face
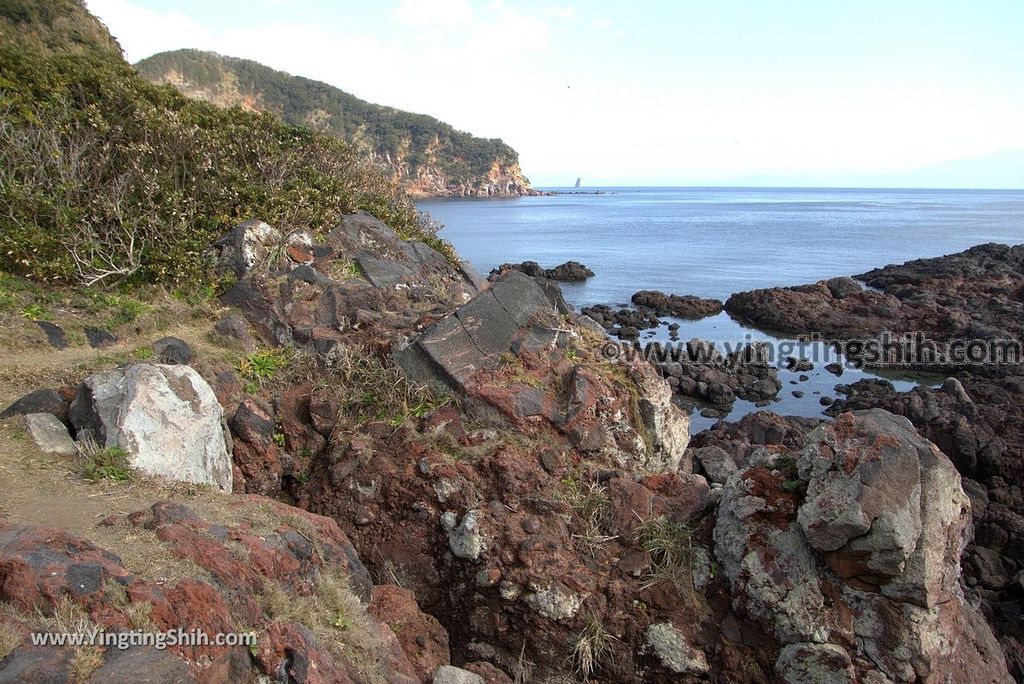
{"x": 504, "y": 179}
{"x": 448, "y": 164}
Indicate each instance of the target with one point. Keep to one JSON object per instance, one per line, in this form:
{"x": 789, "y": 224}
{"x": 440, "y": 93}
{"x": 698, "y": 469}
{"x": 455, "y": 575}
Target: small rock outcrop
{"x": 254, "y": 566}
{"x": 569, "y": 272}
{"x": 516, "y": 314}
{"x": 680, "y": 306}
{"x": 702, "y": 372}
{"x": 166, "y": 418}
{"x": 859, "y": 576}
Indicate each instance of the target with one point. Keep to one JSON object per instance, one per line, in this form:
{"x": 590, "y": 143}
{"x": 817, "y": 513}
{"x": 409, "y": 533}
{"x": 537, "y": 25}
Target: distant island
{"x": 428, "y": 157}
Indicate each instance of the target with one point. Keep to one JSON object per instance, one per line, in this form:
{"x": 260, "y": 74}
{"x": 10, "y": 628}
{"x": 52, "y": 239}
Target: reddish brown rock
{"x": 422, "y": 637}
{"x": 255, "y": 453}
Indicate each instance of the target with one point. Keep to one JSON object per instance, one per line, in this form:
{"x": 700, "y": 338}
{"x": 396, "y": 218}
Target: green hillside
{"x": 105, "y": 177}
{"x": 428, "y": 156}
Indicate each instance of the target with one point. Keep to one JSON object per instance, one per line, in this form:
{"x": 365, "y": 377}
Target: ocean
{"x": 712, "y": 242}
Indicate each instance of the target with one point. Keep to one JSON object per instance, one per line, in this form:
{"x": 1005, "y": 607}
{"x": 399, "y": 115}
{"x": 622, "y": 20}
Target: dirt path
{"x": 46, "y": 489}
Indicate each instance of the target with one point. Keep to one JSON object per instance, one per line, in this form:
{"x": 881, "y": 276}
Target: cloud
{"x": 443, "y": 14}
{"x": 560, "y": 12}
{"x": 143, "y": 32}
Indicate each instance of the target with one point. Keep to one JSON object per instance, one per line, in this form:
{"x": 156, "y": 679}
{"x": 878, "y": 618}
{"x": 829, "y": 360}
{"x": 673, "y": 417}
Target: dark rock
{"x": 843, "y": 287}
{"x": 142, "y": 665}
{"x": 172, "y": 350}
{"x": 798, "y": 365}
{"x": 99, "y": 338}
{"x": 84, "y": 578}
{"x": 40, "y": 401}
{"x": 834, "y": 368}
{"x": 570, "y": 271}
{"x": 54, "y": 334}
{"x": 513, "y": 312}
{"x": 255, "y": 453}
{"x": 234, "y": 327}
{"x": 680, "y": 306}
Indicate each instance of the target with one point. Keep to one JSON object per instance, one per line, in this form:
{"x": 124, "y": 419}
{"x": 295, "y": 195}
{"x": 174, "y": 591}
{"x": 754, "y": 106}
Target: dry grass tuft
{"x": 671, "y": 546}
{"x": 591, "y": 647}
{"x": 592, "y": 504}
{"x": 370, "y": 388}
{"x": 144, "y": 555}
{"x": 335, "y": 615}
{"x": 10, "y": 636}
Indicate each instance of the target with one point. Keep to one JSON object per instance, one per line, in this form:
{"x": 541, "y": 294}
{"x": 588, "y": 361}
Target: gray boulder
{"x": 515, "y": 313}
{"x": 859, "y": 579}
{"x": 820, "y": 663}
{"x": 672, "y": 649}
{"x": 246, "y": 245}
{"x": 166, "y": 417}
{"x": 716, "y": 463}
{"x": 843, "y": 287}
{"x": 863, "y": 505}
{"x": 49, "y": 434}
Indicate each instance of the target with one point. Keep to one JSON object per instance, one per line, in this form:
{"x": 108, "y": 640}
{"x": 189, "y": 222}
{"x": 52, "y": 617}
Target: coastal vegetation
{"x": 403, "y": 141}
{"x": 108, "y": 178}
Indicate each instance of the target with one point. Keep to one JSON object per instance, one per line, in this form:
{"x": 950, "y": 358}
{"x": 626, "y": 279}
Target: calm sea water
{"x": 712, "y": 242}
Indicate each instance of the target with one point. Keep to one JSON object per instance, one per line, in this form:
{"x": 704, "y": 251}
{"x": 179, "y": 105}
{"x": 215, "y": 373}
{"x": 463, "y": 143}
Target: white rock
{"x": 49, "y": 434}
{"x": 672, "y": 649}
{"x": 467, "y": 540}
{"x": 166, "y": 417}
{"x": 553, "y": 603}
{"x": 446, "y": 674}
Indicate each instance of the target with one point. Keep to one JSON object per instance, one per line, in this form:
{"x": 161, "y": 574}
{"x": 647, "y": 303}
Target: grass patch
{"x": 671, "y": 546}
{"x": 144, "y": 555}
{"x": 591, "y": 647}
{"x": 69, "y": 617}
{"x": 260, "y": 368}
{"x": 104, "y": 463}
{"x": 10, "y": 639}
{"x": 138, "y": 613}
{"x": 335, "y": 615}
{"x": 35, "y": 312}
{"x": 592, "y": 504}
{"x": 344, "y": 269}
{"x": 369, "y": 388}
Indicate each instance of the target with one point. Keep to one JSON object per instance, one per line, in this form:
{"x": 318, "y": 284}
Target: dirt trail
{"x": 46, "y": 489}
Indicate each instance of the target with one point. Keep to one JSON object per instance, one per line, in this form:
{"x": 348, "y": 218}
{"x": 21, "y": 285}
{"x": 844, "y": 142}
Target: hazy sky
{"x": 652, "y": 92}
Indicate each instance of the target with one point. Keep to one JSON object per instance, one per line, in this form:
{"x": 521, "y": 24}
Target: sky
{"x": 648, "y": 93}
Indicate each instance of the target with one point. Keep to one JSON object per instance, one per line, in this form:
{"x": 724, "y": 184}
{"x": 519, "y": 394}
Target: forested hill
{"x": 428, "y": 157}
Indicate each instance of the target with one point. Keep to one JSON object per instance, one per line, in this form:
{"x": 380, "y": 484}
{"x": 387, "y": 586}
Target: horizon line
{"x": 772, "y": 187}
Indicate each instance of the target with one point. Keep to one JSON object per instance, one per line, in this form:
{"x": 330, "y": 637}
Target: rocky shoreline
{"x": 456, "y": 486}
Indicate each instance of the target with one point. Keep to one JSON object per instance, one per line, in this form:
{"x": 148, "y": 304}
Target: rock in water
{"x": 681, "y": 306}
{"x": 166, "y": 417}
